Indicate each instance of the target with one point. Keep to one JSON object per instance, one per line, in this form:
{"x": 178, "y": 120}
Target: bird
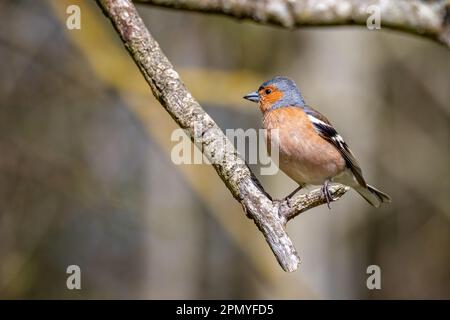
{"x": 311, "y": 151}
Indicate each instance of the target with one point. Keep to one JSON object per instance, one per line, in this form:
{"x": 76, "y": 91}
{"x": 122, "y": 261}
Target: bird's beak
{"x": 252, "y": 96}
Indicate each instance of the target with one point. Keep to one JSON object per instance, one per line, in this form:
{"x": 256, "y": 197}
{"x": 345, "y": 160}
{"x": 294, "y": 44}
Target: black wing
{"x": 326, "y": 131}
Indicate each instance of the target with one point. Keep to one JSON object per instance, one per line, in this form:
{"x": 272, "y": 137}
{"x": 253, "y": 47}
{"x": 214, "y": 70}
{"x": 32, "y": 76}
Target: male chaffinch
{"x": 310, "y": 149}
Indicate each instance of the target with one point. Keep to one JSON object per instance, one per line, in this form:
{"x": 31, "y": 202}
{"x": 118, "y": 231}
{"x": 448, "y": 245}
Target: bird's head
{"x": 276, "y": 93}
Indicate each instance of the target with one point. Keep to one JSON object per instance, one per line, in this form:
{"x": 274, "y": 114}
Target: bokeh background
{"x": 86, "y": 176}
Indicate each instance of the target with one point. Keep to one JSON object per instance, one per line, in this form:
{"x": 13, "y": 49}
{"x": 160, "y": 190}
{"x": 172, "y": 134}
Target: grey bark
{"x": 430, "y": 18}
{"x": 269, "y": 215}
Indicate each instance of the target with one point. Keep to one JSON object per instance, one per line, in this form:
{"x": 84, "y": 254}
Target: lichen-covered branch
{"x": 430, "y": 18}
{"x": 270, "y": 216}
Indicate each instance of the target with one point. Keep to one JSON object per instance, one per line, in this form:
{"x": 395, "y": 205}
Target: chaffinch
{"x": 311, "y": 151}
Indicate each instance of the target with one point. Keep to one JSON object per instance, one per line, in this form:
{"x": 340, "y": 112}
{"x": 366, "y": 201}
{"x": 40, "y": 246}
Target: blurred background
{"x": 86, "y": 176}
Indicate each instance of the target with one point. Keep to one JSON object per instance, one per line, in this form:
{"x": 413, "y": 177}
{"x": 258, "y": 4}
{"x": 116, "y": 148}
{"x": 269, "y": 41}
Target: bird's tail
{"x": 373, "y": 196}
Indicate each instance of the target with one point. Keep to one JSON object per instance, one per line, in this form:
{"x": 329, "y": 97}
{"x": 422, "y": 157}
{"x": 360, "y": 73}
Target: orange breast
{"x": 303, "y": 155}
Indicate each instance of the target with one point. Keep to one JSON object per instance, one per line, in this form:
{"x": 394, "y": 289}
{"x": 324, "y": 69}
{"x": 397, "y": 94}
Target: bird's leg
{"x": 326, "y": 193}
{"x": 290, "y": 195}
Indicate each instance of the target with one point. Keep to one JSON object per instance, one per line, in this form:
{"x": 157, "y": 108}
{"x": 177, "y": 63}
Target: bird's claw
{"x": 288, "y": 198}
{"x": 326, "y": 193}
{"x": 285, "y": 202}
{"x": 289, "y": 201}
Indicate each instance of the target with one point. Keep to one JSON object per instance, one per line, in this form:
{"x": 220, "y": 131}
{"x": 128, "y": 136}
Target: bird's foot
{"x": 326, "y": 193}
{"x": 288, "y": 198}
{"x": 288, "y": 201}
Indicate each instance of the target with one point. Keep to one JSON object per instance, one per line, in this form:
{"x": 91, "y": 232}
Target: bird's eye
{"x": 268, "y": 91}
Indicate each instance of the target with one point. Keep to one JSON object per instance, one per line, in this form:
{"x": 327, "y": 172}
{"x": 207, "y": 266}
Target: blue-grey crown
{"x": 292, "y": 95}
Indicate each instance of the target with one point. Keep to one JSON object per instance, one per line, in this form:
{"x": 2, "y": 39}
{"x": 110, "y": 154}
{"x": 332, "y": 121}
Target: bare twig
{"x": 270, "y": 216}
{"x": 429, "y": 18}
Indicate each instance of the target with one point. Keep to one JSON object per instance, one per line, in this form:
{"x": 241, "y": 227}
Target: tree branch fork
{"x": 270, "y": 216}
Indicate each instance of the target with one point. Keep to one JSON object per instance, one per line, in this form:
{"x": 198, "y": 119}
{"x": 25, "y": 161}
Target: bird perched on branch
{"x": 311, "y": 151}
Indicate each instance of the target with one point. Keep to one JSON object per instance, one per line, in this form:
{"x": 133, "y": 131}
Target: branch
{"x": 426, "y": 18}
{"x": 270, "y": 216}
